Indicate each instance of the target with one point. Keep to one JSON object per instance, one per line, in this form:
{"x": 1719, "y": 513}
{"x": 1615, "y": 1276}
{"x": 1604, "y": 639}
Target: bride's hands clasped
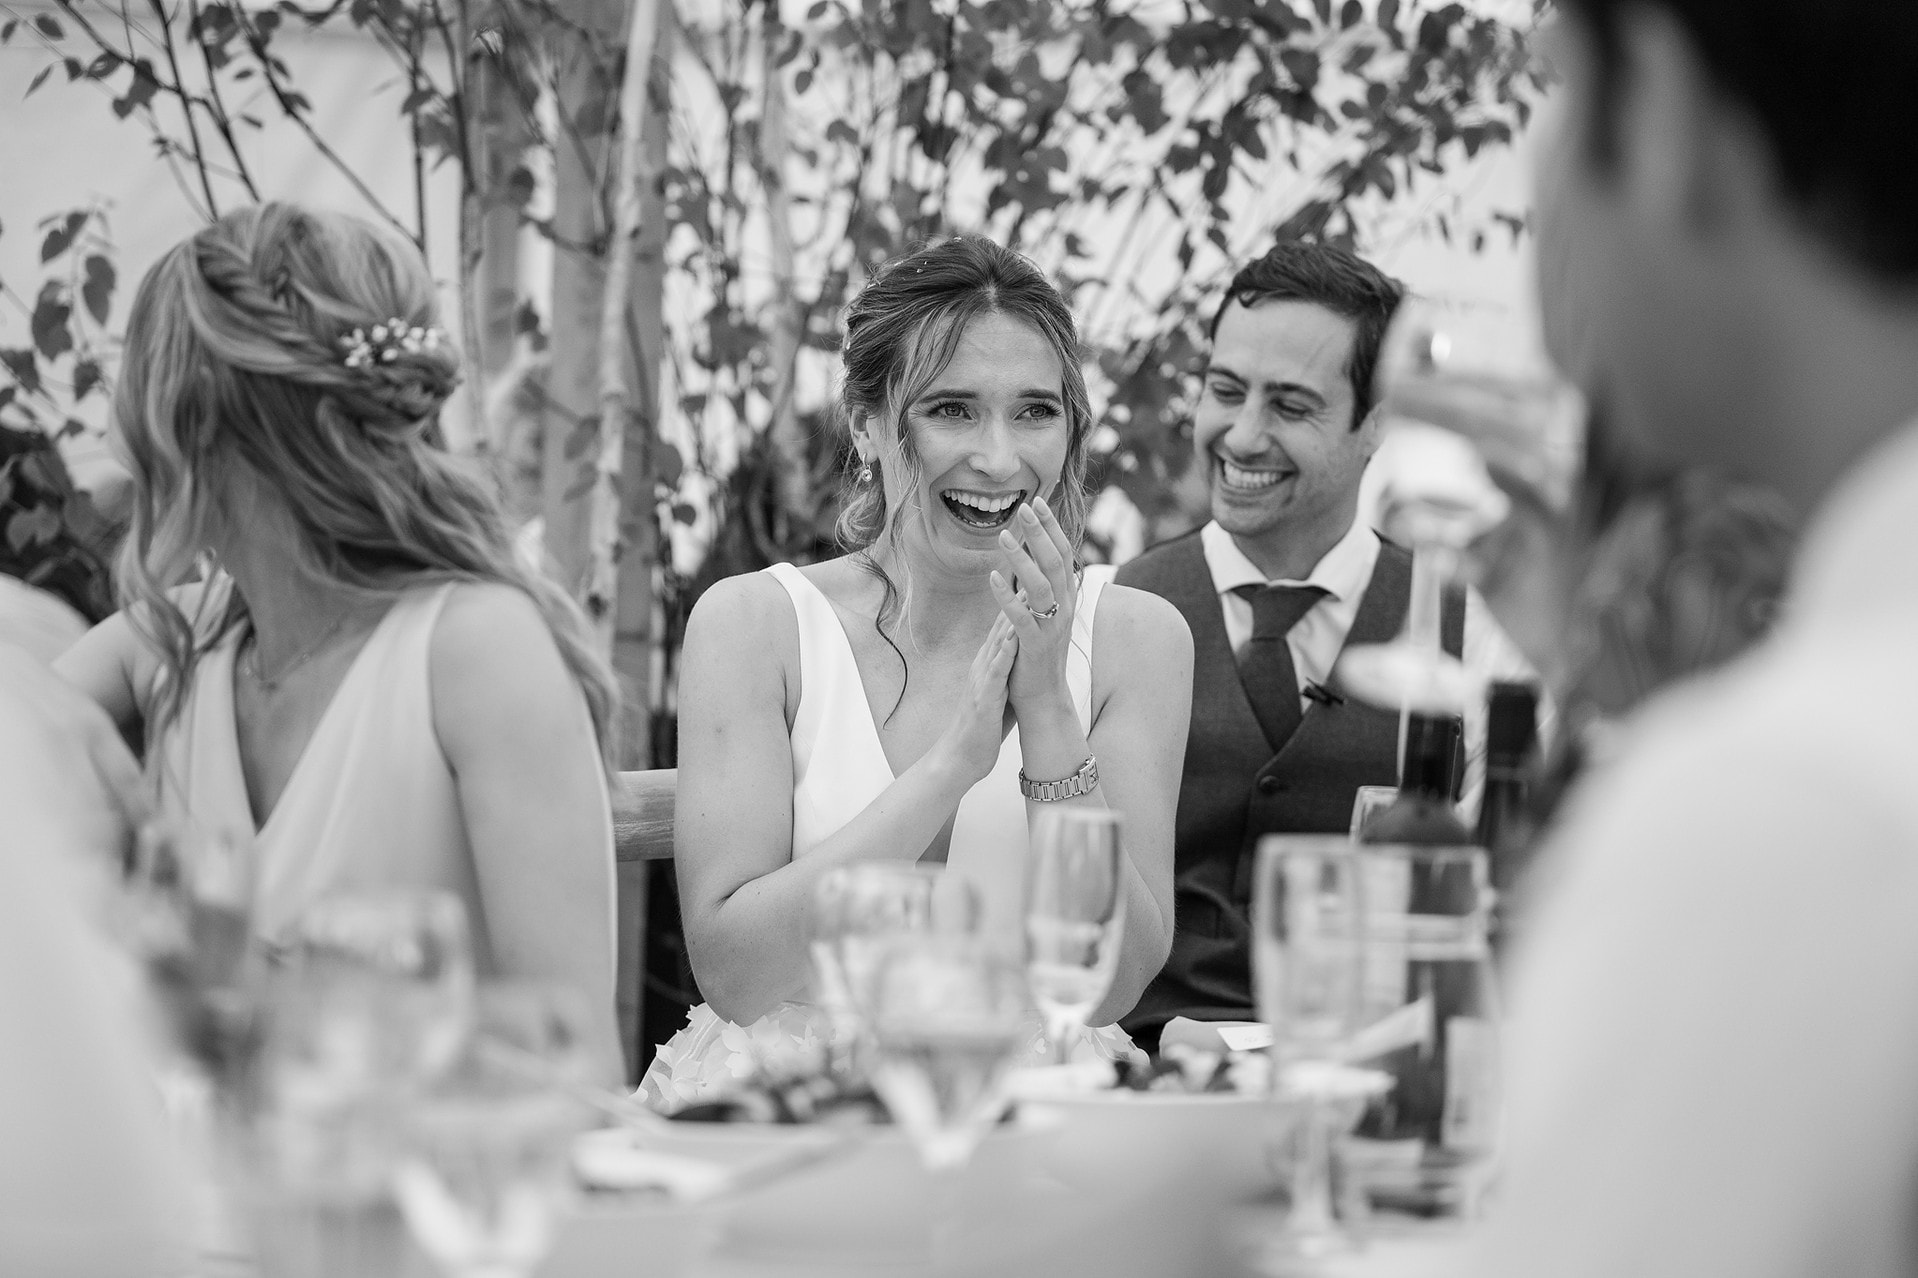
{"x": 1034, "y": 553}
{"x": 977, "y": 731}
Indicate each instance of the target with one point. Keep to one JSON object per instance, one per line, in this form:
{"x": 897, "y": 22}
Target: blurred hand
{"x": 61, "y": 761}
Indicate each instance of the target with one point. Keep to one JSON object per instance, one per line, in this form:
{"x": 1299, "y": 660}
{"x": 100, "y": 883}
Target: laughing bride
{"x": 917, "y": 690}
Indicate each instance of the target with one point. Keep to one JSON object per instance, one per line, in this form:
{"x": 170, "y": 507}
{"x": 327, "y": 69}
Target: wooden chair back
{"x": 642, "y": 833}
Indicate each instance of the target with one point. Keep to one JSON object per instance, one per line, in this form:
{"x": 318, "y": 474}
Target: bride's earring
{"x": 865, "y": 473}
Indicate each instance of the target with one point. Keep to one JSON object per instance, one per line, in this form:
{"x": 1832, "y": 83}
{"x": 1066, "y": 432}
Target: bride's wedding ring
{"x": 1048, "y": 614}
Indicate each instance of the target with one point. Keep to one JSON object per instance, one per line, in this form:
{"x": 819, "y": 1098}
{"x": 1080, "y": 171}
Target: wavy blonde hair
{"x": 236, "y": 358}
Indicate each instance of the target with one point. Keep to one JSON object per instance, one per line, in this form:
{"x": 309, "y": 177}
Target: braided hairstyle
{"x": 240, "y": 353}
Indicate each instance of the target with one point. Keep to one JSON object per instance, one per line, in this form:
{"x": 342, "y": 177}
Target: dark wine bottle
{"x": 1437, "y": 1015}
{"x": 1423, "y": 813}
{"x": 1506, "y": 827}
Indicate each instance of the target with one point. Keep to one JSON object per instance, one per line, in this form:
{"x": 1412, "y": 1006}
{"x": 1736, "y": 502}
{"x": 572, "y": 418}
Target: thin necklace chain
{"x": 299, "y": 659}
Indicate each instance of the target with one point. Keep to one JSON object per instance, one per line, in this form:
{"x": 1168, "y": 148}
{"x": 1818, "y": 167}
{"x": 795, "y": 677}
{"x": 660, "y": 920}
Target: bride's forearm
{"x": 1148, "y": 939}
{"x": 755, "y": 938}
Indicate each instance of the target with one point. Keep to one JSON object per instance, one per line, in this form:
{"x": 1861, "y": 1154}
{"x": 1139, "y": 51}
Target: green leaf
{"x": 38, "y": 80}
{"x": 86, "y": 378}
{"x": 48, "y": 27}
{"x": 97, "y": 291}
{"x": 52, "y": 336}
{"x": 61, "y": 237}
{"x": 25, "y": 369}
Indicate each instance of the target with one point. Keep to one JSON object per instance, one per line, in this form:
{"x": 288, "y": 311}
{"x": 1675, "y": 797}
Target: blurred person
{"x": 88, "y": 1174}
{"x": 362, "y": 676}
{"x": 1285, "y": 427}
{"x": 37, "y": 621}
{"x": 910, "y": 700}
{"x": 1715, "y": 1021}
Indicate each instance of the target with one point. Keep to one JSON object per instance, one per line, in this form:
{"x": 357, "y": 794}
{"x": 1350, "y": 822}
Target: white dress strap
{"x": 839, "y": 763}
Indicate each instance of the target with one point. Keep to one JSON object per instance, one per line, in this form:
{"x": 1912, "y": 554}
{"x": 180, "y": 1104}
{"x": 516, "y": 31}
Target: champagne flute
{"x": 948, "y": 1015}
{"x": 1308, "y": 973}
{"x": 483, "y": 1163}
{"x": 857, "y": 907}
{"x": 1450, "y": 373}
{"x": 1075, "y": 917}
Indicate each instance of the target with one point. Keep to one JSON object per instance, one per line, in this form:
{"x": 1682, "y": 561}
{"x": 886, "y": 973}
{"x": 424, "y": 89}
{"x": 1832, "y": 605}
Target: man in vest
{"x": 1282, "y": 579}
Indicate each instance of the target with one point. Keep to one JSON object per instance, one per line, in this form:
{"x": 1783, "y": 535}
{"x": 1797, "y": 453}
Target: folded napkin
{"x": 1215, "y": 1036}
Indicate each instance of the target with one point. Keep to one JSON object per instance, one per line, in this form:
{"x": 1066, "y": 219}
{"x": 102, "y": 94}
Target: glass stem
{"x": 1428, "y": 591}
{"x": 1312, "y": 1214}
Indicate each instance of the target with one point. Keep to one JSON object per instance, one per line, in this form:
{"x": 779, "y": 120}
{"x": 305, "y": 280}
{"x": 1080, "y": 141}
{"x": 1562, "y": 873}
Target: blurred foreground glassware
{"x": 1367, "y": 800}
{"x": 1430, "y": 1019}
{"x": 1308, "y": 973}
{"x": 370, "y": 999}
{"x": 483, "y": 1169}
{"x": 376, "y": 989}
{"x": 1075, "y": 917}
{"x": 948, "y": 1015}
{"x": 192, "y": 895}
{"x": 858, "y": 907}
{"x": 1478, "y": 374}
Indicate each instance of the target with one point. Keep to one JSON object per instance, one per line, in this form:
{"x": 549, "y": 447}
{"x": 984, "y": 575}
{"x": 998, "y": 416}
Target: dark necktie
{"x": 1265, "y": 663}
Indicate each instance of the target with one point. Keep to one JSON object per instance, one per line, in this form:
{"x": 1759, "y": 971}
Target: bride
{"x": 913, "y": 689}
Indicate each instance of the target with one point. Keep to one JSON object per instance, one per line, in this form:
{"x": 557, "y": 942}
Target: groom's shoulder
{"x": 1167, "y": 563}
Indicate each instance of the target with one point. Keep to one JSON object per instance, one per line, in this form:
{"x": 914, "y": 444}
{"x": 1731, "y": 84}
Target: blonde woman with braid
{"x": 325, "y": 638}
{"x": 883, "y": 706}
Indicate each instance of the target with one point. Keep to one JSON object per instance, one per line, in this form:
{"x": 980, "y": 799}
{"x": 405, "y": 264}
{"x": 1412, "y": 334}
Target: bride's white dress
{"x": 839, "y": 768}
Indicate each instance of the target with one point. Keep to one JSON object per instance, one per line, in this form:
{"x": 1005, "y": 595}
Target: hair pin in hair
{"x": 384, "y": 343}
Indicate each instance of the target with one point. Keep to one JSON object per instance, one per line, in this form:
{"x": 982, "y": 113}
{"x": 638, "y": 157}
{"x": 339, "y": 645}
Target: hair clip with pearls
{"x": 384, "y": 343}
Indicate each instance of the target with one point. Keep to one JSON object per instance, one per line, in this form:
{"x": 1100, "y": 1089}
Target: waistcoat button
{"x": 1270, "y": 785}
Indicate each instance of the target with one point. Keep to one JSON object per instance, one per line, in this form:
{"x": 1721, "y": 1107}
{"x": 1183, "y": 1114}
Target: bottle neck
{"x": 1431, "y": 756}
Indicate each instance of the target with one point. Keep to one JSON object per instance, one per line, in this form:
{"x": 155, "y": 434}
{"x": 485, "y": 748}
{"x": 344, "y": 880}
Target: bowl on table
{"x": 867, "y": 1198}
{"x": 1225, "y": 1140}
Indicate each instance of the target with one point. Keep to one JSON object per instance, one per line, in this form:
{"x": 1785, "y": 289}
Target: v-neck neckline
{"x": 293, "y": 778}
{"x": 852, "y": 659}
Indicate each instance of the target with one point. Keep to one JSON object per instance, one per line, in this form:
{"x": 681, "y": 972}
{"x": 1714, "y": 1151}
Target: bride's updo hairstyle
{"x": 902, "y": 331}
{"x": 301, "y": 350}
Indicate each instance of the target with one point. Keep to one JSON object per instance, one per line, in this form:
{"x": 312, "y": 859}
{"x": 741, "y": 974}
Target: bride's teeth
{"x": 986, "y": 505}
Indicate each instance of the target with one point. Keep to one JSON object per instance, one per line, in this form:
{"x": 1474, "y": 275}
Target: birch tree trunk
{"x": 793, "y": 486}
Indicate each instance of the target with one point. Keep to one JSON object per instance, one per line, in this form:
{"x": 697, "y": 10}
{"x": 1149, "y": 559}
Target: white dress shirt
{"x": 1316, "y": 641}
{"x": 1713, "y": 1053}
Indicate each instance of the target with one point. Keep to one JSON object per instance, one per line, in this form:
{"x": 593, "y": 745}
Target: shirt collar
{"x": 1856, "y": 556}
{"x": 1342, "y": 572}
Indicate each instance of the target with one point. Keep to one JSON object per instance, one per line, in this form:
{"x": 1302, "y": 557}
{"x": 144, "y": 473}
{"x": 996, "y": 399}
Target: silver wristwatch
{"x": 1084, "y": 781}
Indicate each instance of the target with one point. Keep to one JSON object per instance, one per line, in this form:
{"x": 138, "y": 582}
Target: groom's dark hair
{"x": 1343, "y": 283}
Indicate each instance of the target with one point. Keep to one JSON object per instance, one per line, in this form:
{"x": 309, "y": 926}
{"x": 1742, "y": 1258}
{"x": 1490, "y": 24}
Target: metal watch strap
{"x": 1084, "y": 781}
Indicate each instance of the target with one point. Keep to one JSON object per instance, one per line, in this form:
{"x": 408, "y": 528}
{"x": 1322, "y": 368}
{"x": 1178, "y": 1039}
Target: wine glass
{"x": 947, "y": 1015}
{"x": 1309, "y": 931}
{"x": 483, "y": 1164}
{"x": 1075, "y": 917}
{"x": 856, "y": 907}
{"x": 1449, "y": 374}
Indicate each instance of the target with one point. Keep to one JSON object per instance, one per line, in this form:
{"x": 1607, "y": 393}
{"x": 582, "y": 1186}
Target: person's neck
{"x": 939, "y": 609}
{"x": 289, "y": 611}
{"x": 1840, "y": 375}
{"x": 1289, "y": 552}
